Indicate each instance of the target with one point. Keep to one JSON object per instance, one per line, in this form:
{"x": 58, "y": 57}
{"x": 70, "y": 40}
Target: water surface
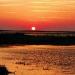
{"x": 39, "y": 59}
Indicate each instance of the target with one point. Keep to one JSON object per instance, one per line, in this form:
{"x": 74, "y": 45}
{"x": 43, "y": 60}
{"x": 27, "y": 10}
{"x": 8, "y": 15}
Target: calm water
{"x": 39, "y": 59}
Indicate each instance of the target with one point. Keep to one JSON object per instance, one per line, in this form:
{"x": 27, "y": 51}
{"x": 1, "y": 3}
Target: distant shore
{"x": 37, "y": 38}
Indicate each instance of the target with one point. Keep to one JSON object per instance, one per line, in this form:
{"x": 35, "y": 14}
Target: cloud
{"x": 10, "y": 2}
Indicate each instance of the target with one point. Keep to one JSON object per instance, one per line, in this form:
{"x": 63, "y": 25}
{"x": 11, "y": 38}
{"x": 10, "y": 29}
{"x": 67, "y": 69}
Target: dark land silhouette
{"x": 37, "y": 37}
{"x": 4, "y": 70}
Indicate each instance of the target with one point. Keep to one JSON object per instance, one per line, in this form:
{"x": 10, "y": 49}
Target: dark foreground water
{"x": 39, "y": 59}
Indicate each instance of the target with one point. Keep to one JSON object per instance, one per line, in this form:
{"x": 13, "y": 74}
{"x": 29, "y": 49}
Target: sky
{"x": 49, "y": 15}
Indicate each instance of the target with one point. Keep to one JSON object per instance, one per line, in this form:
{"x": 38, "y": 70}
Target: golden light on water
{"x": 38, "y": 59}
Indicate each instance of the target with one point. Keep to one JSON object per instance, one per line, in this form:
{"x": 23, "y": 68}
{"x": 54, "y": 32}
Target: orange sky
{"x": 43, "y": 14}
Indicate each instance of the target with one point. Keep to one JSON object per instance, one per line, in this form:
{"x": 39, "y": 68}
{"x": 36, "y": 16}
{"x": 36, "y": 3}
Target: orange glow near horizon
{"x": 51, "y": 13}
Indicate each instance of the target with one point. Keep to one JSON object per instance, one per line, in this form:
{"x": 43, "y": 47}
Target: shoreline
{"x": 37, "y": 38}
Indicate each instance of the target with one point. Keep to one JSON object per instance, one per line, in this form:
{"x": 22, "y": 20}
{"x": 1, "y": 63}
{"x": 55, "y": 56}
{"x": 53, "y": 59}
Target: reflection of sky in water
{"x": 39, "y": 60}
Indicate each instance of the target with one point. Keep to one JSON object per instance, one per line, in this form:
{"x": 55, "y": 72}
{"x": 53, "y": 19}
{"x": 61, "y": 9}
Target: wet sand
{"x": 39, "y": 59}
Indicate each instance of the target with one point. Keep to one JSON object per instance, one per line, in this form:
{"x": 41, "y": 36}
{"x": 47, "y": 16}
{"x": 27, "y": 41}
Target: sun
{"x": 33, "y": 28}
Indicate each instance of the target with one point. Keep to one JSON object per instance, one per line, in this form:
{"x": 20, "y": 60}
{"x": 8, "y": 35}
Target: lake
{"x": 39, "y": 59}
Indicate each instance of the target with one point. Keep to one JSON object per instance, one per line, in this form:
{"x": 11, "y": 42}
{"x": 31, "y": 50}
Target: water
{"x": 39, "y": 59}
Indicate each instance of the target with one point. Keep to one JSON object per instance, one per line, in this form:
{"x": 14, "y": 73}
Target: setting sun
{"x": 47, "y": 15}
{"x": 33, "y": 28}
